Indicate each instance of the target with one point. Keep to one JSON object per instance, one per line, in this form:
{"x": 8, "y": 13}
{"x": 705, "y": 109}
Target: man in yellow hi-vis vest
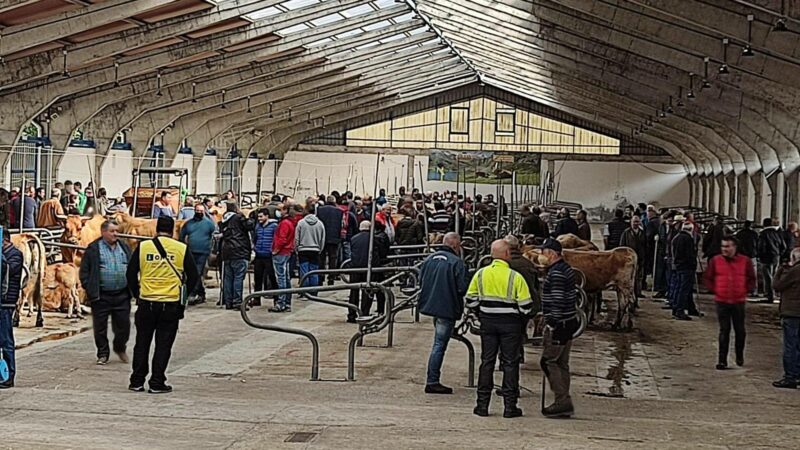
{"x": 504, "y": 304}
{"x": 159, "y": 272}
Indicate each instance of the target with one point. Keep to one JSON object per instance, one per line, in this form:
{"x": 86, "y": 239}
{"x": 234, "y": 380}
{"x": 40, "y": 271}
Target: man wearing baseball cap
{"x": 559, "y": 302}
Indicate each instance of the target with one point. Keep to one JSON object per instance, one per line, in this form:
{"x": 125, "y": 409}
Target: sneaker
{"x": 511, "y": 412}
{"x": 277, "y": 309}
{"x": 722, "y": 366}
{"x": 102, "y": 361}
{"x": 136, "y": 387}
{"x": 165, "y": 389}
{"x": 122, "y": 356}
{"x": 785, "y": 384}
{"x": 482, "y": 411}
{"x": 438, "y": 389}
{"x": 559, "y": 411}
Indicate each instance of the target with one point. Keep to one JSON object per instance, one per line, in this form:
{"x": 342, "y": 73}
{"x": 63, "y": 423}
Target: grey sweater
{"x": 309, "y": 235}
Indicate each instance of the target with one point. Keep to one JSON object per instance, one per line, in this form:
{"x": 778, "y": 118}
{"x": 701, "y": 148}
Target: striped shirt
{"x": 558, "y": 293}
{"x": 113, "y": 265}
{"x": 498, "y": 290}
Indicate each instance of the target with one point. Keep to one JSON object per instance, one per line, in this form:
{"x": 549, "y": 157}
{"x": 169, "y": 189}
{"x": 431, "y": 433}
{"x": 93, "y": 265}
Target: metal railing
{"x": 367, "y": 324}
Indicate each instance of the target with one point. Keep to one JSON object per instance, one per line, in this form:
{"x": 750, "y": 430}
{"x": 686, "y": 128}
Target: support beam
{"x": 758, "y": 191}
{"x": 793, "y": 196}
{"x": 743, "y": 196}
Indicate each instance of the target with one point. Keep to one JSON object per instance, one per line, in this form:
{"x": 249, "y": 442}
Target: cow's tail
{"x": 39, "y": 266}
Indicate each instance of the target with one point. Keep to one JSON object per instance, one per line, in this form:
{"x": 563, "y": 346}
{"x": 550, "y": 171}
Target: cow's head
{"x": 73, "y": 224}
{"x": 535, "y": 256}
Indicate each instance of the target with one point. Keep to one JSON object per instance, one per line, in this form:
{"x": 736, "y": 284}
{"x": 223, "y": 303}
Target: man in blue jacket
{"x": 9, "y": 294}
{"x": 443, "y": 280}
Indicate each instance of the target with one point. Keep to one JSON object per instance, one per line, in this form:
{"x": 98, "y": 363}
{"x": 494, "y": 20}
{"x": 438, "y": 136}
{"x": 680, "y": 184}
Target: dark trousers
{"x": 499, "y": 334}
{"x": 555, "y": 364}
{"x": 328, "y": 259}
{"x": 366, "y": 297}
{"x": 791, "y": 348}
{"x": 264, "y": 274}
{"x": 728, "y": 314}
{"x": 159, "y": 319}
{"x": 682, "y": 299}
{"x": 661, "y": 276}
{"x": 200, "y": 262}
{"x": 768, "y": 272}
{"x": 116, "y": 305}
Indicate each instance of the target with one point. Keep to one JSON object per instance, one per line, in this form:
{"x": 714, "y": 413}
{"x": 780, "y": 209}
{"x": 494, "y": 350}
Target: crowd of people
{"x": 285, "y": 238}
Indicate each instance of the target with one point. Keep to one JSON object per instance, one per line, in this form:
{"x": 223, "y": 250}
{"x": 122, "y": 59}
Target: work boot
{"x": 722, "y": 366}
{"x": 102, "y": 361}
{"x": 438, "y": 388}
{"x": 785, "y": 384}
{"x": 122, "y": 356}
{"x": 511, "y": 411}
{"x": 481, "y": 410}
{"x": 564, "y": 410}
{"x": 165, "y": 389}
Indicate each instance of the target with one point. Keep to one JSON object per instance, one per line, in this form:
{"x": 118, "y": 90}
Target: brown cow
{"x": 79, "y": 231}
{"x": 136, "y": 226}
{"x": 34, "y": 262}
{"x": 603, "y": 270}
{"x": 572, "y": 242}
{"x": 62, "y": 290}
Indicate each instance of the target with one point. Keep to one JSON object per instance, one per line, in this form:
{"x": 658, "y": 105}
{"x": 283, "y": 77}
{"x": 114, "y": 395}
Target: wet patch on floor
{"x": 622, "y": 367}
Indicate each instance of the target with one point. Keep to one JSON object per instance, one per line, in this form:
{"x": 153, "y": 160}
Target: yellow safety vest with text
{"x": 498, "y": 289}
{"x": 157, "y": 281}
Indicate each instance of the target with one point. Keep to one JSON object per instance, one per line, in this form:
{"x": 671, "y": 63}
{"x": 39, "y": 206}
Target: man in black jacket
{"x": 236, "y": 247}
{"x": 443, "y": 283}
{"x": 712, "y": 244}
{"x": 684, "y": 264}
{"x": 332, "y": 217}
{"x": 771, "y": 247}
{"x": 614, "y": 229}
{"x": 10, "y": 289}
{"x": 565, "y": 224}
{"x": 533, "y": 224}
{"x": 102, "y": 275}
{"x": 635, "y": 239}
{"x": 747, "y": 238}
{"x": 360, "y": 259}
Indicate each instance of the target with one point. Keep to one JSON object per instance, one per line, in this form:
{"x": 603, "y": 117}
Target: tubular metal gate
{"x": 34, "y": 163}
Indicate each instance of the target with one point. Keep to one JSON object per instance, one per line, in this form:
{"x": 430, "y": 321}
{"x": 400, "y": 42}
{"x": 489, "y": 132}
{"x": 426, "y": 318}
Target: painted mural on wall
{"x": 484, "y": 167}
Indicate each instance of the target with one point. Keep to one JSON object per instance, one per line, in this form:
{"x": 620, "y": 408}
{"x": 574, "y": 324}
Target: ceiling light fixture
{"x": 706, "y": 83}
{"x": 747, "y": 50}
{"x": 680, "y": 103}
{"x": 64, "y": 72}
{"x": 670, "y": 110}
{"x": 290, "y": 114}
{"x": 723, "y": 69}
{"x": 663, "y": 112}
{"x": 690, "y": 95}
{"x": 222, "y": 106}
{"x": 308, "y": 121}
{"x": 116, "y": 73}
{"x": 249, "y": 110}
{"x": 158, "y": 84}
{"x": 323, "y": 122}
{"x": 780, "y": 23}
{"x": 194, "y": 92}
{"x": 270, "y": 111}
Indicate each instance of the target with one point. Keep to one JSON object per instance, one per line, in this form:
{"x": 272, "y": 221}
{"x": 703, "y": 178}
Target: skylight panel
{"x": 331, "y": 18}
{"x": 297, "y": 4}
{"x": 262, "y": 13}
{"x": 294, "y": 29}
{"x": 378, "y": 25}
{"x": 357, "y": 11}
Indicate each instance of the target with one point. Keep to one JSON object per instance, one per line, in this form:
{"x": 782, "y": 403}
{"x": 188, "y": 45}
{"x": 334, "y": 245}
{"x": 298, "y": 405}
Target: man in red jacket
{"x": 730, "y": 277}
{"x": 282, "y": 249}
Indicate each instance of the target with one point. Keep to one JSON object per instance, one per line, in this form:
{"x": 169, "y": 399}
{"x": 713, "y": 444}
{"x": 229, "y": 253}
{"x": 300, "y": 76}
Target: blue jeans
{"x": 200, "y": 262}
{"x": 308, "y": 266}
{"x": 791, "y": 348}
{"x": 684, "y": 282}
{"x": 443, "y": 329}
{"x": 233, "y": 279}
{"x": 282, "y": 273}
{"x": 7, "y": 339}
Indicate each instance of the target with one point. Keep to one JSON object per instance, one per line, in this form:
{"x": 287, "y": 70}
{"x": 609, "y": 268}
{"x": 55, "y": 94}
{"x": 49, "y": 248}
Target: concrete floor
{"x": 242, "y": 388}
